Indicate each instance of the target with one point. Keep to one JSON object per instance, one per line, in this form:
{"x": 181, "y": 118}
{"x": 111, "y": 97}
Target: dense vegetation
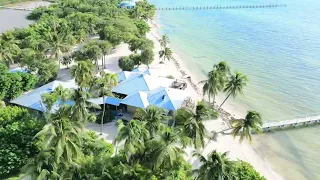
{"x": 17, "y": 129}
{"x": 13, "y": 84}
{"x": 55, "y": 144}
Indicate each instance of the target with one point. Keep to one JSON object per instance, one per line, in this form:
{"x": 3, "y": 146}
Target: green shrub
{"x": 3, "y": 68}
{"x": 47, "y": 71}
{"x": 4, "y": 85}
{"x": 126, "y": 63}
{"x": 15, "y": 88}
{"x": 28, "y": 81}
{"x": 13, "y": 84}
{"x": 37, "y": 13}
{"x": 17, "y": 129}
{"x": 95, "y": 146}
{"x": 244, "y": 171}
{"x": 170, "y": 77}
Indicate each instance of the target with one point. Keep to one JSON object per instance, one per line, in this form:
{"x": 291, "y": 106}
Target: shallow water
{"x": 10, "y": 19}
{"x": 278, "y": 49}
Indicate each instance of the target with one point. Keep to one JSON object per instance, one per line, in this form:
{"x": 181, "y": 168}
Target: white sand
{"x": 242, "y": 151}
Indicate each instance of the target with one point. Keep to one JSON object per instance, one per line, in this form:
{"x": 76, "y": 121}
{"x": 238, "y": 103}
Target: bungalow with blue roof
{"x": 135, "y": 90}
{"x": 127, "y": 4}
{"x": 32, "y": 99}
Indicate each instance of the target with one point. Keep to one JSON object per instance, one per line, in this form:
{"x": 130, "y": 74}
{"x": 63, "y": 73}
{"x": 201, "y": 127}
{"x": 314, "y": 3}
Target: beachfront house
{"x": 139, "y": 89}
{"x": 32, "y": 99}
{"x": 127, "y": 4}
{"x": 135, "y": 89}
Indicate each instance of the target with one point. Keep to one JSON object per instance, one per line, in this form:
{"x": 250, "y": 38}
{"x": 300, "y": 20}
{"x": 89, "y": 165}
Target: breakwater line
{"x": 219, "y": 7}
{"x": 19, "y": 9}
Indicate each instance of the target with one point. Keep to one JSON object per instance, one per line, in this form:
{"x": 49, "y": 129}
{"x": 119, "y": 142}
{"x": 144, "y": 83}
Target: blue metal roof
{"x": 112, "y": 100}
{"x": 131, "y": 86}
{"x": 108, "y": 100}
{"x": 138, "y": 99}
{"x": 166, "y": 98}
{"x": 142, "y": 82}
{"x": 32, "y": 99}
{"x": 37, "y": 106}
{"x": 67, "y": 102}
{"x": 18, "y": 70}
{"x": 123, "y": 75}
{"x": 127, "y": 4}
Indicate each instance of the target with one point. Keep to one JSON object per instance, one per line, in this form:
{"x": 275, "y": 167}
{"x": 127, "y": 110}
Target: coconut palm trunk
{"x": 103, "y": 61}
{"x": 213, "y": 99}
{"x": 225, "y": 100}
{"x": 59, "y": 61}
{"x": 97, "y": 64}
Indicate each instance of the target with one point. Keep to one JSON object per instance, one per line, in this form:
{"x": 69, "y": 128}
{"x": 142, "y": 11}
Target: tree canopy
{"x": 57, "y": 146}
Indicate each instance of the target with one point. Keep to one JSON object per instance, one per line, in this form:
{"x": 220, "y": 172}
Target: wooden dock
{"x": 305, "y": 121}
{"x": 185, "y": 8}
{"x": 220, "y": 7}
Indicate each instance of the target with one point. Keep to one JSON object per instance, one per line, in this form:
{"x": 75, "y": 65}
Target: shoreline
{"x": 193, "y": 80}
{"x": 29, "y": 4}
{"x": 243, "y": 151}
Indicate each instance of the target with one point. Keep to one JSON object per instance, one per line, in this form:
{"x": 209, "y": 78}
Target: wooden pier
{"x": 297, "y": 122}
{"x": 186, "y": 8}
{"x": 220, "y": 7}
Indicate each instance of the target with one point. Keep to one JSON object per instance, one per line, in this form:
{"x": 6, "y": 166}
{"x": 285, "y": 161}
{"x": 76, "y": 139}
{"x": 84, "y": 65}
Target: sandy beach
{"x": 178, "y": 70}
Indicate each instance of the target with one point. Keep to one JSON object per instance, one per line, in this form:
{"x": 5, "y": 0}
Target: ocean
{"x": 10, "y": 19}
{"x": 278, "y": 49}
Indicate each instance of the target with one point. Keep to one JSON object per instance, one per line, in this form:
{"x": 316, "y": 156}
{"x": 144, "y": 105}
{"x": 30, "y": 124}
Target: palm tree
{"x": 60, "y": 147}
{"x": 166, "y": 54}
{"x": 235, "y": 85}
{"x": 164, "y": 41}
{"x": 41, "y": 166}
{"x": 212, "y": 85}
{"x": 154, "y": 118}
{"x": 215, "y": 166}
{"x": 105, "y": 84}
{"x": 92, "y": 51}
{"x": 216, "y": 79}
{"x": 192, "y": 123}
{"x": 83, "y": 73}
{"x": 8, "y": 48}
{"x": 106, "y": 48}
{"x": 79, "y": 110}
{"x": 223, "y": 68}
{"x": 252, "y": 121}
{"x": 134, "y": 134}
{"x": 59, "y": 43}
{"x": 166, "y": 148}
{"x": 66, "y": 60}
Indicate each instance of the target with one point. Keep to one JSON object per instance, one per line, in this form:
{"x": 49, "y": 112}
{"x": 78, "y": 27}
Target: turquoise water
{"x": 278, "y": 49}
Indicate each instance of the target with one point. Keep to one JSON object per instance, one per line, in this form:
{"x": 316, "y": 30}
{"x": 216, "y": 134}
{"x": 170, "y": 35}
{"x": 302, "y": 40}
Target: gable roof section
{"x": 167, "y": 98}
{"x": 108, "y": 100}
{"x": 123, "y": 75}
{"x": 139, "y": 99}
{"x": 142, "y": 82}
{"x": 32, "y": 99}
